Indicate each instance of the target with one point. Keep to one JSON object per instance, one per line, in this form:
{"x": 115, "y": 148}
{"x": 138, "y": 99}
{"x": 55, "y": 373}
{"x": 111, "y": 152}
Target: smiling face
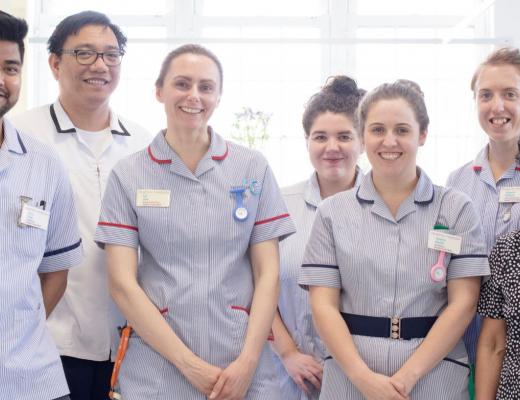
{"x": 10, "y": 76}
{"x": 190, "y": 92}
{"x": 392, "y": 138}
{"x": 86, "y": 86}
{"x": 334, "y": 147}
{"x": 497, "y": 91}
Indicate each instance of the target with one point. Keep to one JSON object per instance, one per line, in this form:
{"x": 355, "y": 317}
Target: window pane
{"x": 407, "y": 7}
{"x": 66, "y": 7}
{"x": 264, "y": 8}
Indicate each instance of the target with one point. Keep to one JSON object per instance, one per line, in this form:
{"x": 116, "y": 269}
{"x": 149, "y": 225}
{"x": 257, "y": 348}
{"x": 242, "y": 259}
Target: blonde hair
{"x": 503, "y": 56}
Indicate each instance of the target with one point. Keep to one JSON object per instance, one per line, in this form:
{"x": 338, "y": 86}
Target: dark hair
{"x": 74, "y": 23}
{"x": 188, "y": 49}
{"x": 400, "y": 89}
{"x": 340, "y": 95}
{"x": 13, "y": 29}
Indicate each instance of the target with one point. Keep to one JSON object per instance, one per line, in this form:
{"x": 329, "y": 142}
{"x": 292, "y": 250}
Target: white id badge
{"x": 153, "y": 198}
{"x": 509, "y": 195}
{"x": 35, "y": 217}
{"x": 439, "y": 240}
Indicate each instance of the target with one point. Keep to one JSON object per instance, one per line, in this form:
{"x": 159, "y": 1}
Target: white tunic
{"x": 84, "y": 323}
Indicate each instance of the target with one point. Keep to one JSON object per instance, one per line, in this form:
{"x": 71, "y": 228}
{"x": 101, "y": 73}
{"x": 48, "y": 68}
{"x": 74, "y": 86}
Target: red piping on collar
{"x": 517, "y": 169}
{"x": 477, "y": 168}
{"x": 156, "y": 159}
{"x": 223, "y": 156}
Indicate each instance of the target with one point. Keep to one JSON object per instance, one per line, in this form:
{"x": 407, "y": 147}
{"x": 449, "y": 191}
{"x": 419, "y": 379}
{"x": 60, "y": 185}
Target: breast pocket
{"x": 28, "y": 242}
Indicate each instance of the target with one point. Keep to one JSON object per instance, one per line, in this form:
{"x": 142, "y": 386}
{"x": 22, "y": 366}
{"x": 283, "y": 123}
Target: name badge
{"x": 35, "y": 217}
{"x": 153, "y": 198}
{"x": 439, "y": 240}
{"x": 509, "y": 195}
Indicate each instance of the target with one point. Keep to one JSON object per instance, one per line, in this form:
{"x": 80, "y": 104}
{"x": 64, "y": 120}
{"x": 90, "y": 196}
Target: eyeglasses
{"x": 111, "y": 58}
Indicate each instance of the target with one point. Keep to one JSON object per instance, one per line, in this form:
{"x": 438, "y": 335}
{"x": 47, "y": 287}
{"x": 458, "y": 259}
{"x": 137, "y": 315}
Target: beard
{"x": 4, "y": 108}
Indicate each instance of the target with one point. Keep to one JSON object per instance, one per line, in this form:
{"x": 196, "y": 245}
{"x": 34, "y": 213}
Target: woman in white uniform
{"x": 492, "y": 180}
{"x": 206, "y": 215}
{"x": 396, "y": 258}
{"x": 334, "y": 145}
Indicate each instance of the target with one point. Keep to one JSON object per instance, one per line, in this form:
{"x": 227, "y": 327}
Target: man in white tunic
{"x": 86, "y": 50}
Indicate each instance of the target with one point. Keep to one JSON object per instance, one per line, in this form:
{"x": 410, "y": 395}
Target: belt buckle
{"x": 395, "y": 328}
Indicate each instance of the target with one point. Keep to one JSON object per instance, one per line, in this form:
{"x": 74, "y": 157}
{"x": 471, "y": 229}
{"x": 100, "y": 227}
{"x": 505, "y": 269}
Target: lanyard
{"x": 126, "y": 331}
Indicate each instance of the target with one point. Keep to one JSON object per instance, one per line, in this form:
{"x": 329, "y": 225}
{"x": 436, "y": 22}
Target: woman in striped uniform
{"x": 492, "y": 180}
{"x": 334, "y": 146}
{"x": 206, "y": 216}
{"x": 396, "y": 258}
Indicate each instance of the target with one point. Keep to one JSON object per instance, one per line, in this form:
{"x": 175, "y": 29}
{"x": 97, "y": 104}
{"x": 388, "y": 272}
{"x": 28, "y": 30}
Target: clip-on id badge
{"x": 509, "y": 196}
{"x": 240, "y": 212}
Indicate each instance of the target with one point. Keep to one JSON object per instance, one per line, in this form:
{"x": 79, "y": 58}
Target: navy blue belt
{"x": 392, "y": 327}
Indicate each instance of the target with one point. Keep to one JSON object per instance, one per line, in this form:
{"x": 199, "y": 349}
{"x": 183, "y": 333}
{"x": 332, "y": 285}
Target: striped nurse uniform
{"x": 382, "y": 265}
{"x": 302, "y": 199}
{"x": 31, "y": 177}
{"x": 194, "y": 256}
{"x": 498, "y": 218}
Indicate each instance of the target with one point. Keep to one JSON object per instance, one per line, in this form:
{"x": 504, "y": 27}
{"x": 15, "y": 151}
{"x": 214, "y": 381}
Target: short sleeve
{"x": 63, "y": 246}
{"x": 118, "y": 220}
{"x": 472, "y": 259}
{"x": 320, "y": 267}
{"x": 272, "y": 219}
{"x": 491, "y": 302}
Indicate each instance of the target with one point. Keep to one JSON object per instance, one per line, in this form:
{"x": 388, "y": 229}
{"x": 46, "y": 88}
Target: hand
{"x": 202, "y": 375}
{"x": 403, "y": 382}
{"x": 302, "y": 367}
{"x": 234, "y": 381}
{"x": 378, "y": 387}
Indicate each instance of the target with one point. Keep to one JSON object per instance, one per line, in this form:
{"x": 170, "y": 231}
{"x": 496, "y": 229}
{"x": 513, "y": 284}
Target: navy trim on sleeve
{"x": 62, "y": 250}
{"x": 454, "y": 257}
{"x": 320, "y": 266}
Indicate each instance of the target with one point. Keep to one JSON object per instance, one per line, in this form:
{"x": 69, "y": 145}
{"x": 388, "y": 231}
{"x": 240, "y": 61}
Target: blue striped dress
{"x": 476, "y": 180}
{"x": 194, "y": 257}
{"x": 382, "y": 266}
{"x": 302, "y": 199}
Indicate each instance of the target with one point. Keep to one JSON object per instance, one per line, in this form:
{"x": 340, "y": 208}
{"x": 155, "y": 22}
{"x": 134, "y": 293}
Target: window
{"x": 276, "y": 54}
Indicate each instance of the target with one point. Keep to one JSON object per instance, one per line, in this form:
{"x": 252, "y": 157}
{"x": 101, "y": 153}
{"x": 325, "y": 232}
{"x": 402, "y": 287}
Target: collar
{"x": 422, "y": 195}
{"x": 481, "y": 167}
{"x": 160, "y": 152}
{"x": 63, "y": 124}
{"x": 312, "y": 194}
{"x": 12, "y": 140}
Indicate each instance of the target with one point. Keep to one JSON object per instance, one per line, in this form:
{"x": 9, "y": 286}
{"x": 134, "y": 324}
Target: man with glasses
{"x": 86, "y": 50}
{"x": 39, "y": 241}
